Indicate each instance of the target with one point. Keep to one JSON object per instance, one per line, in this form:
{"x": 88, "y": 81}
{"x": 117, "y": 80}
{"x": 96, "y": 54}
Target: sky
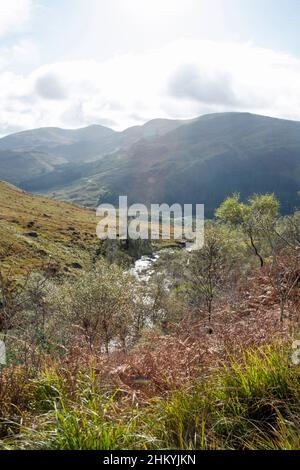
{"x": 73, "y": 63}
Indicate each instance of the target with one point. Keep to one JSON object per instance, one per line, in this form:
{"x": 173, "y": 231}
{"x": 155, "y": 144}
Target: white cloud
{"x": 14, "y": 15}
{"x": 22, "y": 53}
{"x": 183, "y": 79}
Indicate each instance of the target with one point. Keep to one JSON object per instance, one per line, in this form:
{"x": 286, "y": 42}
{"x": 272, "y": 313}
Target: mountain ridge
{"x": 201, "y": 160}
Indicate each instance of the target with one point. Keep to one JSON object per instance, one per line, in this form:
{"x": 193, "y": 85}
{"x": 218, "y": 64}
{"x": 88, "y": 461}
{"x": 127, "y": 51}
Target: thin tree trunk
{"x": 256, "y": 252}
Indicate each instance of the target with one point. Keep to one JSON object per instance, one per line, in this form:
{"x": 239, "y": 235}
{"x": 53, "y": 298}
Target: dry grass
{"x": 65, "y": 233}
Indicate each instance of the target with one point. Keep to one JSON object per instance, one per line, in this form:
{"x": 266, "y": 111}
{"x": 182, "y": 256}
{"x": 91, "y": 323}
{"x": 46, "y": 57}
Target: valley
{"x": 125, "y": 343}
{"x": 202, "y": 160}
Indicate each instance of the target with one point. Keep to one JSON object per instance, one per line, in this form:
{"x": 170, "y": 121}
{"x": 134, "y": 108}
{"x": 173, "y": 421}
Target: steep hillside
{"x": 213, "y": 157}
{"x": 201, "y": 162}
{"x": 35, "y": 230}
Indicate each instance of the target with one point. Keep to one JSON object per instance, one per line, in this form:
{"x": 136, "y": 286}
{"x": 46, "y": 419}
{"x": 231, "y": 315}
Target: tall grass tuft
{"x": 84, "y": 418}
{"x": 245, "y": 402}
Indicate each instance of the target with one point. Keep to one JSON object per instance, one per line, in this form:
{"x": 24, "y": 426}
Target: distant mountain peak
{"x": 202, "y": 160}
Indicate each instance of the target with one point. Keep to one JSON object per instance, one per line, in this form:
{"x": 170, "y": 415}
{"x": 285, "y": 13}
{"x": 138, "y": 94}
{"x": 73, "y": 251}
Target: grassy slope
{"x": 66, "y": 233}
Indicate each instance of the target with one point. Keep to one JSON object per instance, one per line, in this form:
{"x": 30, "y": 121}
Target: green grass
{"x": 81, "y": 417}
{"x": 249, "y": 398}
{"x": 252, "y": 403}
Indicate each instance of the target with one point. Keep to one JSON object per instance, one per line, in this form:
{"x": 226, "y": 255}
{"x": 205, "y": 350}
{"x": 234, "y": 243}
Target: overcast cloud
{"x": 180, "y": 79}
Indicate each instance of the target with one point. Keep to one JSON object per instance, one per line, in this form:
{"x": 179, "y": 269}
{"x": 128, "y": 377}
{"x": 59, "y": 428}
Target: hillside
{"x": 201, "y": 162}
{"x": 38, "y": 152}
{"x": 197, "y": 161}
{"x": 50, "y": 151}
{"x": 18, "y": 165}
{"x": 35, "y": 230}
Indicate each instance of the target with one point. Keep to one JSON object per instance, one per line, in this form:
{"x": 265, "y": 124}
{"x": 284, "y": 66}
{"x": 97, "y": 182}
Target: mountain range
{"x": 202, "y": 160}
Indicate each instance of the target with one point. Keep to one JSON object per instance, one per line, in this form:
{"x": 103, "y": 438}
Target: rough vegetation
{"x": 197, "y": 354}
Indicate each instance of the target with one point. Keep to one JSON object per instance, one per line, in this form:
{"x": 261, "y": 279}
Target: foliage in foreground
{"x": 251, "y": 403}
{"x": 104, "y": 360}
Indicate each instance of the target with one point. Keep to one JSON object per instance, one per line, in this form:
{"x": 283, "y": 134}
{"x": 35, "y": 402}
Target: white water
{"x": 143, "y": 267}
